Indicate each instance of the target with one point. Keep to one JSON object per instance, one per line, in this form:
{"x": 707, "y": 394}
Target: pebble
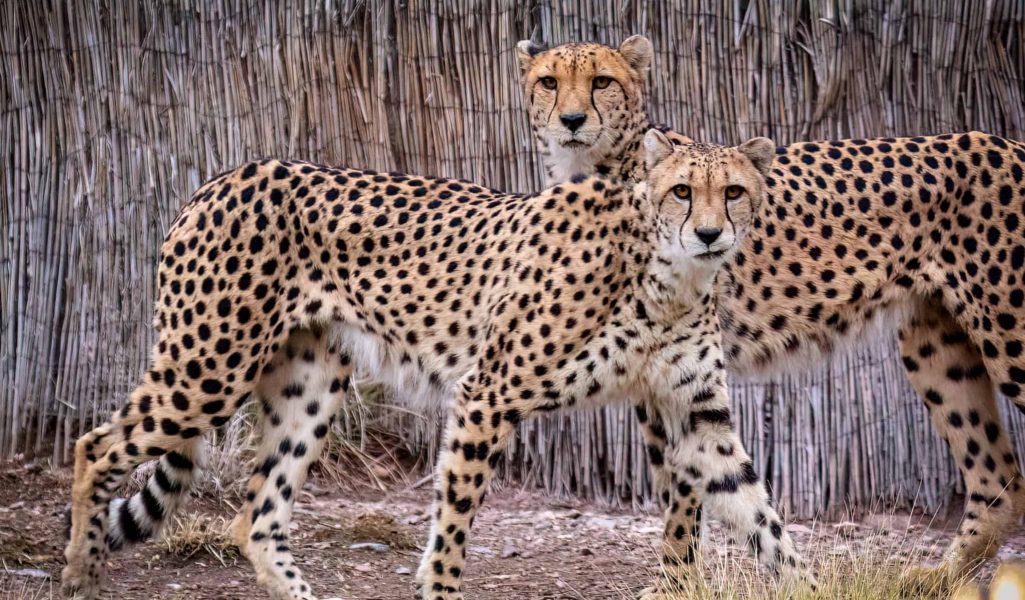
{"x": 601, "y": 522}
{"x": 376, "y": 547}
{"x": 481, "y": 550}
{"x": 846, "y": 528}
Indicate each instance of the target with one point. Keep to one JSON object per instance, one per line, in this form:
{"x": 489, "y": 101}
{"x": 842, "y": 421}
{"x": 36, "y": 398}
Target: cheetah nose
{"x": 573, "y": 121}
{"x": 708, "y": 234}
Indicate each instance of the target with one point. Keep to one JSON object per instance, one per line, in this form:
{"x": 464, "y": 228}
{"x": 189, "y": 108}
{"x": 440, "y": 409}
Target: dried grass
{"x": 114, "y": 111}
{"x": 857, "y": 577}
{"x": 844, "y": 571}
{"x": 26, "y": 589}
{"x": 193, "y": 533}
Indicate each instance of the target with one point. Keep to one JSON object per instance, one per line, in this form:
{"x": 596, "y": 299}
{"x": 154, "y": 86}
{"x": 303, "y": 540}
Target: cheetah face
{"x": 581, "y": 96}
{"x": 704, "y": 197}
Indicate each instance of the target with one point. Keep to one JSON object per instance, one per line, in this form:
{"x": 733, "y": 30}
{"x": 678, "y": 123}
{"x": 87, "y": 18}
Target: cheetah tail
{"x": 140, "y": 517}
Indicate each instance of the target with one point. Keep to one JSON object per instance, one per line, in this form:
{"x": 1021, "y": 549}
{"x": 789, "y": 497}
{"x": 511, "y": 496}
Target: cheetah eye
{"x": 682, "y": 191}
{"x": 601, "y": 82}
{"x": 549, "y": 83}
{"x": 733, "y": 192}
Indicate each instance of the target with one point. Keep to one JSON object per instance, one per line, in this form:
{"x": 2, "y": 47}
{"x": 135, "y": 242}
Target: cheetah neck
{"x": 624, "y": 161}
{"x": 672, "y": 285}
{"x": 675, "y": 288}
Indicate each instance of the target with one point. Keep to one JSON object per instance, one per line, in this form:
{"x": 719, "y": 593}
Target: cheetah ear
{"x": 637, "y": 51}
{"x": 657, "y": 148}
{"x": 761, "y": 151}
{"x": 526, "y": 50}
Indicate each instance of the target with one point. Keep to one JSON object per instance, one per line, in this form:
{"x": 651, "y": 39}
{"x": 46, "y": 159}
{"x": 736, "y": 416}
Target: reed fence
{"x": 113, "y": 111}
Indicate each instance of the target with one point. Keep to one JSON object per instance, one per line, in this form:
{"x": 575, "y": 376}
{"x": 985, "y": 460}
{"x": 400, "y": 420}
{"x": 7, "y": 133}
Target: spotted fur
{"x": 925, "y": 235}
{"x": 279, "y": 278}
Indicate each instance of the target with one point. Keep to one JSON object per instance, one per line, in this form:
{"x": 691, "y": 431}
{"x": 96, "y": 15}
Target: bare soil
{"x": 525, "y": 545}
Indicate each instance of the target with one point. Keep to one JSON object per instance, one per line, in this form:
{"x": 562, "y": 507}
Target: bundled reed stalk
{"x": 113, "y": 111}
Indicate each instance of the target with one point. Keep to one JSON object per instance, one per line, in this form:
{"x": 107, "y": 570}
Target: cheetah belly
{"x": 770, "y": 355}
{"x": 380, "y": 362}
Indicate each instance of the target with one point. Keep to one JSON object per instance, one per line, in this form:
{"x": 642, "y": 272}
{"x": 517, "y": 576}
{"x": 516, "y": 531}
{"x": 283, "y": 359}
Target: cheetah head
{"x": 586, "y": 101}
{"x": 703, "y": 198}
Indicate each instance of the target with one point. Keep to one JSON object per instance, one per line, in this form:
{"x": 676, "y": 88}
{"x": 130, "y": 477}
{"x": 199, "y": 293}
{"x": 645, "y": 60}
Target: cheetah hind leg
{"x": 301, "y": 391}
{"x": 947, "y": 371}
{"x": 85, "y": 555}
{"x": 104, "y": 458}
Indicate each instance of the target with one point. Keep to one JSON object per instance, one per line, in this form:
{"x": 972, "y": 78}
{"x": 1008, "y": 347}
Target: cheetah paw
{"x": 79, "y": 586}
{"x": 429, "y": 591}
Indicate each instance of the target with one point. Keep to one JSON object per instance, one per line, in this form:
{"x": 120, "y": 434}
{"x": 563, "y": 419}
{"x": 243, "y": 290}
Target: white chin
{"x": 567, "y": 160}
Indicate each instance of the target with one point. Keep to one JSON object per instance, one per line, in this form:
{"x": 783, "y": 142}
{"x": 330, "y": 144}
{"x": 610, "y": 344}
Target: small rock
{"x": 602, "y": 522}
{"x": 889, "y": 523}
{"x": 174, "y": 587}
{"x": 370, "y": 546}
{"x": 364, "y": 567}
{"x": 798, "y": 528}
{"x": 414, "y": 519}
{"x": 846, "y": 528}
{"x": 402, "y": 571}
{"x": 481, "y": 550}
{"x": 509, "y": 550}
{"x": 586, "y": 552}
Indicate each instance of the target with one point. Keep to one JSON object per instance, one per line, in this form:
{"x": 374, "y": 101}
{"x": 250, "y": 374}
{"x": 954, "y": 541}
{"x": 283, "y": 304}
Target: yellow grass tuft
{"x": 194, "y": 533}
{"x": 839, "y": 578}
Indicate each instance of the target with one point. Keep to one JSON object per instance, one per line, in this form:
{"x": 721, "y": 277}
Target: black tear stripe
{"x": 554, "y": 104}
{"x": 601, "y": 120}
{"x": 690, "y": 209}
{"x": 729, "y": 484}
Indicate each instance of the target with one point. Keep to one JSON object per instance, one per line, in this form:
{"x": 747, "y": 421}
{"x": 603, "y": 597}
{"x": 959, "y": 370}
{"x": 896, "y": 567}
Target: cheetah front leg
{"x": 712, "y": 470}
{"x": 681, "y": 539}
{"x": 476, "y": 433}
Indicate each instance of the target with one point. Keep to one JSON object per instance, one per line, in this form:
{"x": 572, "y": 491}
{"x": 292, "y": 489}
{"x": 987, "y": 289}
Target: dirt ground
{"x": 525, "y": 545}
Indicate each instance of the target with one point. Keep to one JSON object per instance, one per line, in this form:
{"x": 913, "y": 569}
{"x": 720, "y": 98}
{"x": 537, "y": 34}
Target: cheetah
{"x": 278, "y": 279}
{"x": 924, "y": 235}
